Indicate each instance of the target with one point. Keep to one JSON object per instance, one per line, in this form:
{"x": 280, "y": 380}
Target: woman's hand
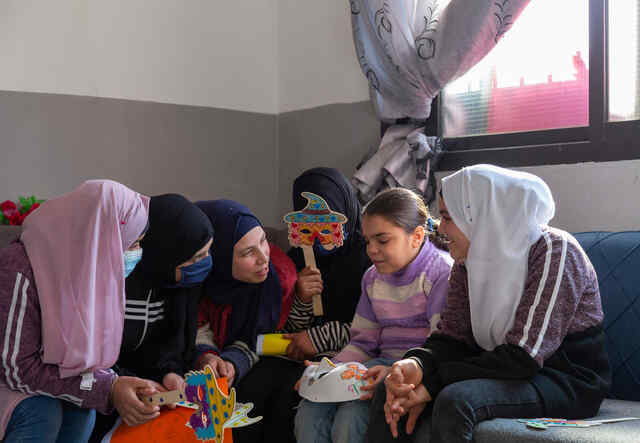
{"x": 220, "y": 367}
{"x": 309, "y": 284}
{"x": 124, "y": 396}
{"x": 300, "y": 347}
{"x": 375, "y": 374}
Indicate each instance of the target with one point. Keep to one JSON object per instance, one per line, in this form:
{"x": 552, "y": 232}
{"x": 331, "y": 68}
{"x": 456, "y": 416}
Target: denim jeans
{"x": 450, "y": 418}
{"x": 45, "y": 419}
{"x": 344, "y": 422}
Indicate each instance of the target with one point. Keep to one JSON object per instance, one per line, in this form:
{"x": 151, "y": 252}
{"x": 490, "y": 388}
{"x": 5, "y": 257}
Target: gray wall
{"x": 50, "y": 143}
{"x": 333, "y": 135}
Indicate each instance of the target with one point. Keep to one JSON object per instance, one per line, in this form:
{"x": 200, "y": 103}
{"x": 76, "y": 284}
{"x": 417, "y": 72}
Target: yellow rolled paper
{"x": 272, "y": 344}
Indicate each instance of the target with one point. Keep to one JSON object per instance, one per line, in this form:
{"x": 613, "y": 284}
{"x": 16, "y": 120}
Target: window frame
{"x": 600, "y": 141}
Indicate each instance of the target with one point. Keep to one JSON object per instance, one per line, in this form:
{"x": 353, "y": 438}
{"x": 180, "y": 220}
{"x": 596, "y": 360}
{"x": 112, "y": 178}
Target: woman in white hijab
{"x": 521, "y": 333}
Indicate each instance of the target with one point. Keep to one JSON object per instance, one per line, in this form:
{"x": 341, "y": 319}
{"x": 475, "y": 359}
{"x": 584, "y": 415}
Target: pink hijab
{"x": 75, "y": 245}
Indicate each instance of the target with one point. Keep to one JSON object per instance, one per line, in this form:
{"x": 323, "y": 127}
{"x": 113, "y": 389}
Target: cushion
{"x": 616, "y": 258}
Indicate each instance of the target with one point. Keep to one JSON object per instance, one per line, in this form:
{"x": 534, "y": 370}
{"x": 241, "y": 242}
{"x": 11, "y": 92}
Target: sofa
{"x": 616, "y": 258}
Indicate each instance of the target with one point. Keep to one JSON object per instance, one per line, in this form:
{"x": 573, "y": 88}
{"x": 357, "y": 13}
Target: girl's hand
{"x": 413, "y": 404}
{"x": 300, "y": 347}
{"x": 173, "y": 382}
{"x": 306, "y": 363}
{"x": 220, "y": 367}
{"x": 405, "y": 375}
{"x": 309, "y": 284}
{"x": 228, "y": 370}
{"x": 376, "y": 374}
{"x": 124, "y": 396}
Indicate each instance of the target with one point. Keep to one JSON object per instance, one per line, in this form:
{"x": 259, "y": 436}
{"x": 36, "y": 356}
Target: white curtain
{"x": 409, "y": 50}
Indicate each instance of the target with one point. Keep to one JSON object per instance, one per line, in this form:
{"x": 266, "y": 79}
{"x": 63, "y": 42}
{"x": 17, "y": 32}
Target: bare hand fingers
{"x": 401, "y": 390}
{"x": 414, "y": 413}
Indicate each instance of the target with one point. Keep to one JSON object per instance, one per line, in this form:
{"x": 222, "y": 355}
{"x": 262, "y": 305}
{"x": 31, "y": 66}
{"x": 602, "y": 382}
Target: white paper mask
{"x": 328, "y": 382}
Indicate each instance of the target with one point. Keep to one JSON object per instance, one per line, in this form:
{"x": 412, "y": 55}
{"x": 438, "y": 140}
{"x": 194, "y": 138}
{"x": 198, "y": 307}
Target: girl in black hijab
{"x": 162, "y": 297}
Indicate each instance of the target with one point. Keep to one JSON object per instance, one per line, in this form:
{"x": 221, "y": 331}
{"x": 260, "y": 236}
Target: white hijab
{"x": 502, "y": 212}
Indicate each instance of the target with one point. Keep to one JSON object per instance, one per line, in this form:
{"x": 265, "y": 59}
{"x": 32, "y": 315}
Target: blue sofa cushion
{"x": 616, "y": 258}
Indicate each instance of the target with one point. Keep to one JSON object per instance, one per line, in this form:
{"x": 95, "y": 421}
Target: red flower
{"x": 9, "y": 209}
{"x": 16, "y": 220}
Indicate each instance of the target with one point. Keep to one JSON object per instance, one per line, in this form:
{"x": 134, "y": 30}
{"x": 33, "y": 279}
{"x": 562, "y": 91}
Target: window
{"x": 562, "y": 86}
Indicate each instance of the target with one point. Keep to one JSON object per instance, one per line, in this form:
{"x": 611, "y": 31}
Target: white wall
{"x": 592, "y": 196}
{"x": 317, "y": 63}
{"x": 219, "y": 54}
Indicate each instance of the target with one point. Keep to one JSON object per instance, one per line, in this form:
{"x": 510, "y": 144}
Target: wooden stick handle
{"x": 309, "y": 257}
{"x": 164, "y": 398}
{"x": 310, "y": 261}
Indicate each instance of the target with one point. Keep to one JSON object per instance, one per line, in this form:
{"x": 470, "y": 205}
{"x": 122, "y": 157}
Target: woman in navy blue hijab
{"x": 242, "y": 296}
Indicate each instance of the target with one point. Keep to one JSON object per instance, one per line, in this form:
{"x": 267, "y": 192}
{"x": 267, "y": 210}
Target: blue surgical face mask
{"x": 320, "y": 250}
{"x": 131, "y": 259}
{"x": 194, "y": 274}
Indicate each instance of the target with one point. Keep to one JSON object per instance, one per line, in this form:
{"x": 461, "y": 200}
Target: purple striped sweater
{"x": 399, "y": 311}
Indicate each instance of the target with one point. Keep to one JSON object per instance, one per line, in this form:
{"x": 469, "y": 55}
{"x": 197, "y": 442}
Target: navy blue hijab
{"x": 255, "y": 306}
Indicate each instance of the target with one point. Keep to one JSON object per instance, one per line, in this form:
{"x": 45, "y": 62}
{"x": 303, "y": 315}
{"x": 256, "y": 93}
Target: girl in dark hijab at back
{"x": 338, "y": 275}
{"x": 162, "y": 297}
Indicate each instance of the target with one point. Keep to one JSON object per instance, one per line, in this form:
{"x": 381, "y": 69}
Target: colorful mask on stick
{"x": 315, "y": 222}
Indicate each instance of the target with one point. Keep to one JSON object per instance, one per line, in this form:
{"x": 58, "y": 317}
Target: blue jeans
{"x": 457, "y": 409}
{"x": 45, "y": 419}
{"x": 344, "y": 422}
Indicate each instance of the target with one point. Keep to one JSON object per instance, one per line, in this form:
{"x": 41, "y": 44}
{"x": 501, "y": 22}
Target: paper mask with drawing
{"x": 329, "y": 382}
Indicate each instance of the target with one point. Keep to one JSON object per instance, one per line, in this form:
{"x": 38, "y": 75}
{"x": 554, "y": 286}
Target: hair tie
{"x": 430, "y": 225}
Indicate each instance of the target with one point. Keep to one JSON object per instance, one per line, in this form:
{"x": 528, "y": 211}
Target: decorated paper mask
{"x": 316, "y": 222}
{"x": 215, "y": 411}
{"x": 328, "y": 382}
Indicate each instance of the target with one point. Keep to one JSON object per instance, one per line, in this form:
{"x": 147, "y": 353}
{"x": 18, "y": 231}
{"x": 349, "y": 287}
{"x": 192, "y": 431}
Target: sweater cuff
{"x": 241, "y": 362}
{"x": 101, "y": 400}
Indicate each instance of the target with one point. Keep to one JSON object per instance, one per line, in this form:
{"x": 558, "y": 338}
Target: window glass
{"x": 535, "y": 78}
{"x": 624, "y": 78}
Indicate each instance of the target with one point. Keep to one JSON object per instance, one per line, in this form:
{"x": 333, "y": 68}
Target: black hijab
{"x": 255, "y": 306}
{"x": 342, "y": 270}
{"x": 177, "y": 230}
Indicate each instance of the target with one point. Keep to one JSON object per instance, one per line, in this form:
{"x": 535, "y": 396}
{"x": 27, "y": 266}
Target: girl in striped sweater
{"x": 402, "y": 296}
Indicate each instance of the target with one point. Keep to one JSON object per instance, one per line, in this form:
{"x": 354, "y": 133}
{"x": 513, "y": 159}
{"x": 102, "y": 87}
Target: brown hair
{"x": 407, "y": 210}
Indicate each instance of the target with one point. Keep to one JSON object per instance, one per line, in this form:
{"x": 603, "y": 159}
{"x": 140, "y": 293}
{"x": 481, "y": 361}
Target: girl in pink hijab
{"x": 62, "y": 313}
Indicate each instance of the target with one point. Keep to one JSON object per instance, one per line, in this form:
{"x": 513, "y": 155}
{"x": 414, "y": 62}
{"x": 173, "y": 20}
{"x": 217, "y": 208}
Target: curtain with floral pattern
{"x": 409, "y": 50}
